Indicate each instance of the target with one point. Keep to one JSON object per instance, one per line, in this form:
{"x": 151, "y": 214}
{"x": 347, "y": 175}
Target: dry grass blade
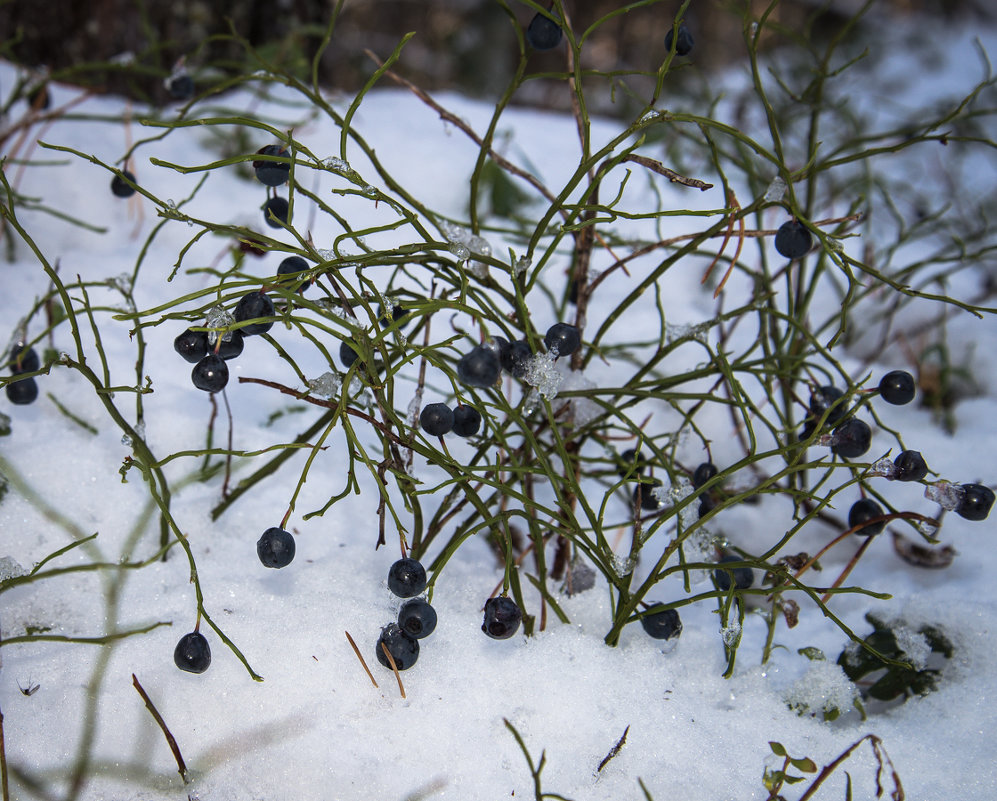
{"x": 360, "y": 657}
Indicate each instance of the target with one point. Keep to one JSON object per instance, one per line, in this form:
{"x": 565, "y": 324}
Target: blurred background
{"x": 467, "y": 45}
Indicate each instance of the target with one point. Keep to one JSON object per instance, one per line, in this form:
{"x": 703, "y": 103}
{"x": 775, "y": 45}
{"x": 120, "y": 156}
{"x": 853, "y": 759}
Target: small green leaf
{"x": 812, "y": 653}
{"x": 777, "y": 748}
{"x": 803, "y": 763}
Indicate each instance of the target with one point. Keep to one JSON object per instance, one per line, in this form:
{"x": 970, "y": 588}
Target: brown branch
{"x": 181, "y": 765}
{"x": 671, "y": 175}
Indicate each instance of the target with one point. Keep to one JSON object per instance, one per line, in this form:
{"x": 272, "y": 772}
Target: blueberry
{"x": 192, "y": 653}
{"x": 192, "y": 345}
{"x": 909, "y": 466}
{"x": 272, "y": 173}
{"x": 563, "y": 338}
{"x": 436, "y": 419}
{"x": 252, "y": 306}
{"x": 516, "y": 357}
{"x": 631, "y": 461}
{"x": 275, "y": 548}
{"x": 862, "y": 510}
{"x": 808, "y": 429}
{"x": 23, "y": 392}
{"x": 232, "y": 347}
{"x": 824, "y": 398}
{"x": 347, "y": 355}
{"x": 466, "y": 421}
{"x": 502, "y": 618}
{"x": 406, "y": 578}
{"x": 975, "y": 504}
{"x": 543, "y": 33}
{"x": 120, "y": 187}
{"x": 663, "y": 625}
{"x": 703, "y": 473}
{"x": 275, "y": 211}
{"x": 293, "y": 265}
{"x": 683, "y": 42}
{"x": 479, "y": 368}
{"x": 851, "y": 439}
{"x": 403, "y": 648}
{"x": 793, "y": 240}
{"x": 399, "y": 315}
{"x": 23, "y": 359}
{"x": 417, "y": 618}
{"x": 648, "y": 501}
{"x": 706, "y": 505}
{"x": 897, "y": 387}
{"x": 180, "y": 87}
{"x": 743, "y": 577}
{"x": 210, "y": 374}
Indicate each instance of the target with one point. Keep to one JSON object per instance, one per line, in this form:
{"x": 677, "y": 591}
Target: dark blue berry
{"x": 436, "y": 419}
{"x": 663, "y": 625}
{"x": 417, "y": 618}
{"x": 275, "y": 211}
{"x": 479, "y": 368}
{"x": 347, "y": 355}
{"x": 516, "y": 358}
{"x": 683, "y": 42}
{"x": 706, "y": 505}
{"x": 180, "y": 87}
{"x": 399, "y": 315}
{"x": 293, "y": 265}
{"x": 909, "y": 466}
{"x": 275, "y": 548}
{"x": 22, "y": 392}
{"x": 828, "y": 399}
{"x": 23, "y": 359}
{"x": 192, "y": 653}
{"x": 976, "y": 502}
{"x": 648, "y": 501}
{"x": 563, "y": 338}
{"x": 543, "y": 33}
{"x": 192, "y": 345}
{"x": 232, "y": 347}
{"x": 404, "y": 649}
{"x": 851, "y": 439}
{"x": 120, "y": 187}
{"x": 272, "y": 173}
{"x": 251, "y": 306}
{"x": 703, "y": 473}
{"x": 897, "y": 387}
{"x": 631, "y": 462}
{"x": 210, "y": 374}
{"x": 743, "y": 577}
{"x": 793, "y": 240}
{"x": 502, "y": 618}
{"x": 862, "y": 510}
{"x": 466, "y": 421}
{"x": 407, "y": 578}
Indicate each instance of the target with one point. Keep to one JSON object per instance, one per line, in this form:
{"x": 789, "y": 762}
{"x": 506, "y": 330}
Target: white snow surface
{"x": 316, "y": 728}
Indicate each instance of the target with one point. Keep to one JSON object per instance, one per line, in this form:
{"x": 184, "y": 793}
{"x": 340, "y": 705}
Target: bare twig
{"x": 614, "y": 750}
{"x": 181, "y": 765}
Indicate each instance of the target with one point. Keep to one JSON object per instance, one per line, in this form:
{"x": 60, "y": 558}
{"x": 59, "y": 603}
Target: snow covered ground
{"x": 316, "y": 727}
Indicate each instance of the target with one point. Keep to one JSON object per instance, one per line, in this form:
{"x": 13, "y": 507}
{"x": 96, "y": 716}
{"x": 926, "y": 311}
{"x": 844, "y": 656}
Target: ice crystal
{"x": 522, "y": 265}
{"x": 126, "y": 440}
{"x": 623, "y": 565}
{"x": 731, "y": 633}
{"x": 697, "y": 332}
{"x": 338, "y": 165}
{"x": 460, "y": 251}
{"x": 326, "y": 385}
{"x": 218, "y": 317}
{"x": 542, "y": 373}
{"x": 945, "y": 494}
{"x": 10, "y": 568}
{"x": 885, "y": 468}
{"x": 823, "y": 688}
{"x": 370, "y": 190}
{"x": 914, "y": 644}
{"x": 776, "y": 190}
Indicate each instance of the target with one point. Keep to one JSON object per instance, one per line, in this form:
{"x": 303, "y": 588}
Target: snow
{"x": 316, "y": 727}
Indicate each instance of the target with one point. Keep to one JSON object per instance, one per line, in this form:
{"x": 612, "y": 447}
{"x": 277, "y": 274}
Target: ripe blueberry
{"x": 406, "y": 578}
{"x": 703, "y": 473}
{"x": 251, "y": 306}
{"x": 502, "y": 618}
{"x": 275, "y": 548}
{"x": 516, "y": 358}
{"x": 403, "y": 648}
{"x": 479, "y": 368}
{"x": 120, "y": 187}
{"x": 347, "y": 355}
{"x": 399, "y": 315}
{"x": 743, "y": 577}
{"x": 663, "y": 625}
{"x": 271, "y": 173}
{"x": 706, "y": 505}
{"x": 22, "y": 392}
{"x": 275, "y": 211}
{"x": 23, "y": 359}
{"x": 649, "y": 502}
{"x": 851, "y": 439}
{"x": 192, "y": 653}
{"x": 909, "y": 466}
{"x": 684, "y": 41}
{"x": 975, "y": 504}
{"x": 436, "y": 419}
{"x": 180, "y": 87}
{"x": 793, "y": 240}
{"x": 232, "y": 347}
{"x": 466, "y": 421}
{"x": 631, "y": 461}
{"x": 210, "y": 374}
{"x": 563, "y": 338}
{"x": 897, "y": 387}
{"x": 417, "y": 618}
{"x": 862, "y": 510}
{"x": 192, "y": 345}
{"x": 543, "y": 33}
{"x": 824, "y": 398}
{"x": 293, "y": 265}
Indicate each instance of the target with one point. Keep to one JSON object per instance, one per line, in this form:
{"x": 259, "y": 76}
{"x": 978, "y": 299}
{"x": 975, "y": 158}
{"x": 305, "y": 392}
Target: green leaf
{"x": 777, "y": 748}
{"x": 812, "y": 653}
{"x": 803, "y": 763}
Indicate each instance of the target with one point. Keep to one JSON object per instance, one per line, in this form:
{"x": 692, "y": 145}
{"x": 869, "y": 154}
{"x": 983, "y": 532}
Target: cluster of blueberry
{"x": 276, "y": 209}
{"x": 23, "y": 359}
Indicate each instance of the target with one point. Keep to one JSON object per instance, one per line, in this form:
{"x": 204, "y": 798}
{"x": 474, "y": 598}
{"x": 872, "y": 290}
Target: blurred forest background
{"x": 129, "y": 46}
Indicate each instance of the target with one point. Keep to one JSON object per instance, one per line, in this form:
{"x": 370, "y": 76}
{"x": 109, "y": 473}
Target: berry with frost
{"x": 563, "y": 338}
{"x": 502, "y": 618}
{"x": 233, "y": 346}
{"x": 516, "y": 358}
{"x": 663, "y": 625}
{"x": 851, "y": 439}
{"x": 909, "y": 466}
{"x": 793, "y": 240}
{"x": 827, "y": 398}
{"x": 192, "y": 653}
{"x": 291, "y": 266}
{"x": 404, "y": 649}
{"x": 407, "y": 578}
{"x": 23, "y": 359}
{"x": 649, "y": 501}
{"x": 275, "y": 548}
{"x": 417, "y": 618}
